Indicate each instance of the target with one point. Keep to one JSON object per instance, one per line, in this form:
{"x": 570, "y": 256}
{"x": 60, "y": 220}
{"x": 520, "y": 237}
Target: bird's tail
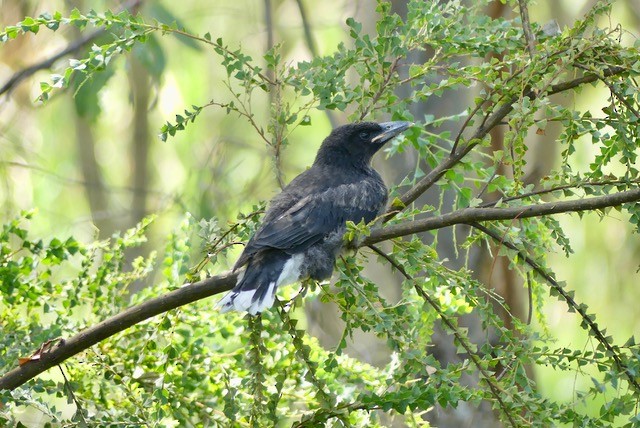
{"x": 255, "y": 290}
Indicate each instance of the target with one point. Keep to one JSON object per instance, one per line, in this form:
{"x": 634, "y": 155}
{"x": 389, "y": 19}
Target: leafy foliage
{"x": 193, "y": 367}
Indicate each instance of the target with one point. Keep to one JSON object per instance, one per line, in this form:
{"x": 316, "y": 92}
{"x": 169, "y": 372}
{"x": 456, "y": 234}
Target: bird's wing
{"x": 314, "y": 216}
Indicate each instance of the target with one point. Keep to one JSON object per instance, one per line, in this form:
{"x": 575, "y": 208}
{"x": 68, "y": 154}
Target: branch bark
{"x": 468, "y": 215}
{"x": 109, "y": 327}
{"x": 221, "y": 283}
{"x": 47, "y": 63}
{"x": 218, "y": 284}
{"x": 481, "y": 132}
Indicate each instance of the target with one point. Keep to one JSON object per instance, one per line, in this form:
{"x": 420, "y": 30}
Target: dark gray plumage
{"x": 301, "y": 233}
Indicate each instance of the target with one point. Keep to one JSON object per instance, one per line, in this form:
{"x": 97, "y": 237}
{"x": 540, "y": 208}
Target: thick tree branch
{"x": 107, "y": 328}
{"x": 487, "y": 214}
{"x": 219, "y": 284}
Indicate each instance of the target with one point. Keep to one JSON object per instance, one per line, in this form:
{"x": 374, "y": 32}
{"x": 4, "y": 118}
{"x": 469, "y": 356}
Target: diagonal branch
{"x": 109, "y": 327}
{"x": 573, "y": 305}
{"x": 494, "y": 386}
{"x": 483, "y": 130}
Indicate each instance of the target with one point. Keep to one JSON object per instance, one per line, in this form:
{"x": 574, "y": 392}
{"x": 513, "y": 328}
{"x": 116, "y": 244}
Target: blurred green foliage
{"x": 192, "y": 367}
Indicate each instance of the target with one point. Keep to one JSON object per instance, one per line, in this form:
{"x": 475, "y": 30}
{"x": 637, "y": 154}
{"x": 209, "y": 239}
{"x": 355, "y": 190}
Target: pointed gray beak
{"x": 390, "y": 130}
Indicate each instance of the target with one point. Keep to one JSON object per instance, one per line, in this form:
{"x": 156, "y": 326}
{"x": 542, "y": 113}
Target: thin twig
{"x": 613, "y": 90}
{"x": 466, "y": 122}
{"x": 79, "y": 409}
{"x": 526, "y": 27}
{"x": 559, "y": 188}
{"x": 481, "y": 132}
{"x": 573, "y": 305}
{"x": 275, "y": 98}
{"x": 530, "y": 295}
{"x": 73, "y": 47}
{"x": 383, "y": 87}
{"x": 496, "y": 390}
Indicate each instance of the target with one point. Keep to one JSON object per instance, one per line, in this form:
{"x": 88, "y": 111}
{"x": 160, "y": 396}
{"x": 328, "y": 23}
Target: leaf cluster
{"x": 195, "y": 367}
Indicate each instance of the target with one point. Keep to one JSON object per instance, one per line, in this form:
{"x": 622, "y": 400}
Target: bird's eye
{"x": 364, "y": 135}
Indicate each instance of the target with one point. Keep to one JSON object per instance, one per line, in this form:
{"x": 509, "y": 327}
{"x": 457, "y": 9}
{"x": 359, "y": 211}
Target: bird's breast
{"x": 372, "y": 195}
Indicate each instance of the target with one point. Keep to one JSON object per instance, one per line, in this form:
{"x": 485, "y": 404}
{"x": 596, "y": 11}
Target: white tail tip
{"x": 243, "y": 301}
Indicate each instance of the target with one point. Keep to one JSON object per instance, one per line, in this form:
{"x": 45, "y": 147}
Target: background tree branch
{"x": 73, "y": 47}
{"x": 47, "y": 63}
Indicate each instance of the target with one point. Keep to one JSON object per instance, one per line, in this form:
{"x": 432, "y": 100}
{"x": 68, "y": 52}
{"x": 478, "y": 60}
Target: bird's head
{"x": 358, "y": 142}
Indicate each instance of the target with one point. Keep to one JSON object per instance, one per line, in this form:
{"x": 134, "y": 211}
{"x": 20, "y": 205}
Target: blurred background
{"x": 91, "y": 162}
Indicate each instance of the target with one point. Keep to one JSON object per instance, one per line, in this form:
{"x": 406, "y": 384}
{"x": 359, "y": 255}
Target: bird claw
{"x": 301, "y": 293}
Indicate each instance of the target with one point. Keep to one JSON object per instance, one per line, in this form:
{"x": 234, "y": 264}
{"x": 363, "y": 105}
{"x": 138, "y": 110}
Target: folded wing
{"x": 313, "y": 217}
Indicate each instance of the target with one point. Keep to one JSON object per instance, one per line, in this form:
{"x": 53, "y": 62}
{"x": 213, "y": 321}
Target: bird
{"x": 302, "y": 231}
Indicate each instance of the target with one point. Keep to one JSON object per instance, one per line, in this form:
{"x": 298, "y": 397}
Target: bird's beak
{"x": 390, "y": 130}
